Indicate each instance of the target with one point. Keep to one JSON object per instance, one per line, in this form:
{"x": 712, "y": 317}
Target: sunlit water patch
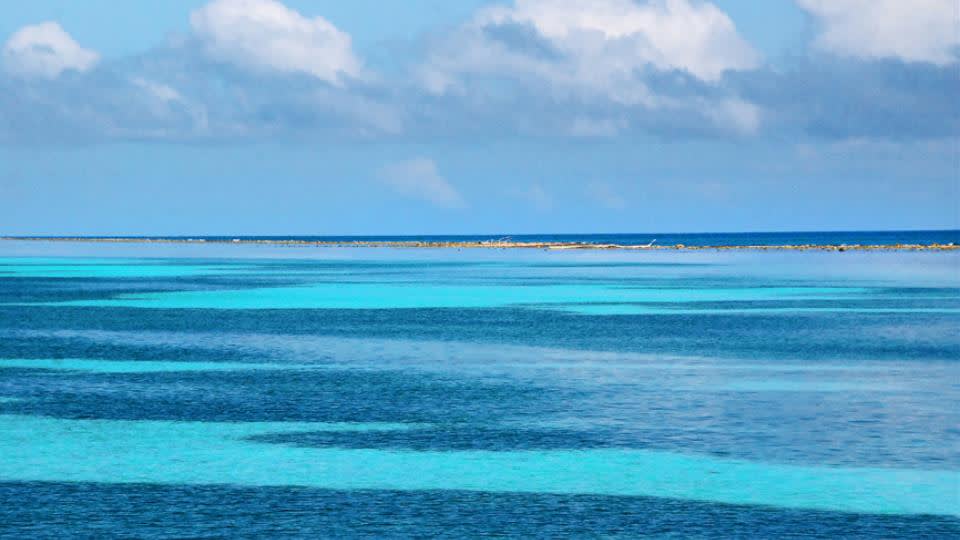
{"x": 409, "y": 296}
{"x": 217, "y": 453}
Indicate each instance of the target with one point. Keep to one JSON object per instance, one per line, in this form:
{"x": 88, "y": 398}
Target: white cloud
{"x": 604, "y": 195}
{"x": 593, "y": 48}
{"x": 910, "y": 30}
{"x": 45, "y": 50}
{"x": 266, "y": 35}
{"x": 419, "y": 179}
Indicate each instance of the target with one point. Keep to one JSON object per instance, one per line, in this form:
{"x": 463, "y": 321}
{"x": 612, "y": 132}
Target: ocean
{"x": 190, "y": 390}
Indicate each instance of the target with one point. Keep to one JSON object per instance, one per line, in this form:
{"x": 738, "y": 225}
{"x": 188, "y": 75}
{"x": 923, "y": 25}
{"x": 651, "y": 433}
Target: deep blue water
{"x": 217, "y": 391}
{"x": 664, "y": 239}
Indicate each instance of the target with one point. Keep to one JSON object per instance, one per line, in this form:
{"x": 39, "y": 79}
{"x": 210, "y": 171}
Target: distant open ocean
{"x": 221, "y": 390}
{"x": 688, "y": 239}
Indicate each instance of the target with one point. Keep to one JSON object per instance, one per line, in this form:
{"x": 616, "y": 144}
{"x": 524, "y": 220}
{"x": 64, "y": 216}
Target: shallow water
{"x": 201, "y": 390}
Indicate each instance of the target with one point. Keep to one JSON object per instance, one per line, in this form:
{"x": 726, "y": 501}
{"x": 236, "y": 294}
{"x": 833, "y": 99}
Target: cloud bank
{"x": 257, "y": 69}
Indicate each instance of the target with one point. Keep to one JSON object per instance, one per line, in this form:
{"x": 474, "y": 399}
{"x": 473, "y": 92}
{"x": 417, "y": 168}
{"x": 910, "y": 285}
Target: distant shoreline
{"x": 491, "y": 244}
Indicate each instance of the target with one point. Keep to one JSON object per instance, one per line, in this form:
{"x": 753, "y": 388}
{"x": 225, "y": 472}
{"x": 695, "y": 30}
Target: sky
{"x": 323, "y": 117}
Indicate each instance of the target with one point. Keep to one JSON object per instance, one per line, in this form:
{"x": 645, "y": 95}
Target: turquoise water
{"x": 218, "y": 453}
{"x": 414, "y": 295}
{"x": 729, "y": 394}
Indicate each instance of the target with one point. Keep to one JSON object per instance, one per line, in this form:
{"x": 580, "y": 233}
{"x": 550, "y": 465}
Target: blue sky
{"x": 372, "y": 117}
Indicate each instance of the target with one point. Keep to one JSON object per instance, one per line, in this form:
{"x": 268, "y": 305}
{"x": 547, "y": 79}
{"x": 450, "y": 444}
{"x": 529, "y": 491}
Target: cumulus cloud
{"x": 45, "y": 50}
{"x": 265, "y": 35}
{"x": 608, "y": 67}
{"x": 591, "y": 49}
{"x": 911, "y": 31}
{"x": 419, "y": 179}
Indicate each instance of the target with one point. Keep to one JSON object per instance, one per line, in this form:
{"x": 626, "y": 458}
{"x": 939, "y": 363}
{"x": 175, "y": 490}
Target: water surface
{"x": 197, "y": 390}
